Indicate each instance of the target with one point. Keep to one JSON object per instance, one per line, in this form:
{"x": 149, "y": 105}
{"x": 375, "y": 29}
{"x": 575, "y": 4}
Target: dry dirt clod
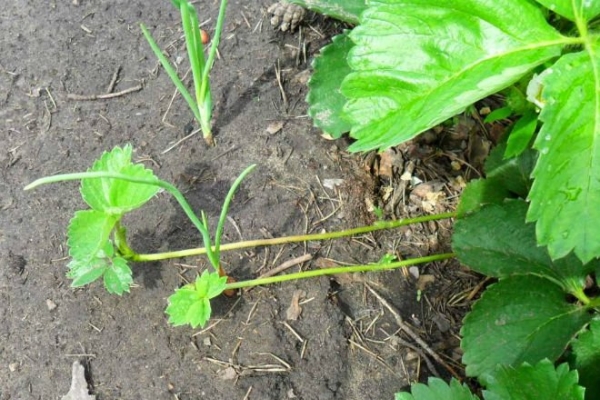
{"x": 286, "y": 16}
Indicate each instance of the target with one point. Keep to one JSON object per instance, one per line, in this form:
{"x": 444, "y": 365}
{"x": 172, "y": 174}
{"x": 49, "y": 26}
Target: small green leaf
{"x": 84, "y": 272}
{"x": 496, "y": 241}
{"x": 387, "y": 258}
{"x": 586, "y": 349}
{"x": 191, "y": 303}
{"x": 118, "y": 277}
{"x": 521, "y": 134}
{"x": 437, "y": 389}
{"x": 527, "y": 382}
{"x": 480, "y": 192}
{"x": 88, "y": 233}
{"x": 324, "y": 97}
{"x": 417, "y": 63}
{"x": 117, "y": 196}
{"x": 516, "y": 99}
{"x": 498, "y": 114}
{"x": 587, "y": 9}
{"x": 199, "y": 312}
{"x": 344, "y": 10}
{"x": 519, "y": 319}
{"x": 566, "y": 192}
{"x": 514, "y": 173}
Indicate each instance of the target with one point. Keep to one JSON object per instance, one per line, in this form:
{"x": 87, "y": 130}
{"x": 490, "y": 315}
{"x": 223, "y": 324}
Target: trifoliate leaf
{"x": 533, "y": 382}
{"x": 191, "y": 303}
{"x": 324, "y": 97}
{"x": 437, "y": 389}
{"x": 88, "y": 233}
{"x": 417, "y": 63}
{"x": 86, "y": 271}
{"x": 566, "y": 190}
{"x": 118, "y": 277}
{"x": 519, "y": 319}
{"x": 496, "y": 241}
{"x": 344, "y": 10}
{"x": 586, "y": 350}
{"x": 117, "y": 196}
{"x": 587, "y": 9}
{"x": 521, "y": 134}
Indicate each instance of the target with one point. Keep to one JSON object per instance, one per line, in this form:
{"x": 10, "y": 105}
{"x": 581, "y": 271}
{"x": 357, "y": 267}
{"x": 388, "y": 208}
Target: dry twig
{"x": 412, "y": 334}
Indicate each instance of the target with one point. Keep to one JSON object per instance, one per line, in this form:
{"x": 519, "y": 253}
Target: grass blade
{"x": 172, "y": 73}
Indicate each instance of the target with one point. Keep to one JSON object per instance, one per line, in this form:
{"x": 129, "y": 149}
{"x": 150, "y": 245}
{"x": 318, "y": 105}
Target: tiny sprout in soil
{"x": 195, "y": 38}
{"x": 98, "y": 244}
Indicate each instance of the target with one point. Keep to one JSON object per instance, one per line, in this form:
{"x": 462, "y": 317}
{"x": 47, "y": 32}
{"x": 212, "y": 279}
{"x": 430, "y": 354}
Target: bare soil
{"x": 345, "y": 343}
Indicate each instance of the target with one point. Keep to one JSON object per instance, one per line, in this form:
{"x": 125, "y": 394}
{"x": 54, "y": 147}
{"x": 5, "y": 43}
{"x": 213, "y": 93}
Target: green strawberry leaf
{"x": 118, "y": 277}
{"x": 480, "y": 192}
{"x": 88, "y": 232}
{"x": 527, "y": 382}
{"x": 410, "y": 75}
{"x": 344, "y": 10}
{"x": 586, "y": 9}
{"x": 190, "y": 304}
{"x": 521, "y": 134}
{"x": 536, "y": 323}
{"x": 513, "y": 174}
{"x": 87, "y": 271}
{"x": 565, "y": 192}
{"x": 510, "y": 247}
{"x": 324, "y": 96}
{"x": 437, "y": 389}
{"x": 498, "y": 115}
{"x": 586, "y": 350}
{"x": 117, "y": 196}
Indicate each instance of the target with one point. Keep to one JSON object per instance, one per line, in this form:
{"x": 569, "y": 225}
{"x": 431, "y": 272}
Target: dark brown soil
{"x": 345, "y": 345}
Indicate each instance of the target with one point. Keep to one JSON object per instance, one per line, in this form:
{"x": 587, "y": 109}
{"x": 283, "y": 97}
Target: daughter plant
{"x": 98, "y": 246}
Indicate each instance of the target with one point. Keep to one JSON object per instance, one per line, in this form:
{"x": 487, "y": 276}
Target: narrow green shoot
{"x": 202, "y": 105}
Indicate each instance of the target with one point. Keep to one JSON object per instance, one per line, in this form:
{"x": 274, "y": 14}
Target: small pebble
{"x": 50, "y": 304}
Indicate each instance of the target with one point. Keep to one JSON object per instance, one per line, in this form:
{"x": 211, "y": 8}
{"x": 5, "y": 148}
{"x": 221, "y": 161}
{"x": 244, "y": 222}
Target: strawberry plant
{"x": 98, "y": 246}
{"x": 384, "y": 93}
{"x": 533, "y": 222}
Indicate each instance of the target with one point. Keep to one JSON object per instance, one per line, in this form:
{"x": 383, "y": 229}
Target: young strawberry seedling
{"x": 98, "y": 245}
{"x": 201, "y": 106}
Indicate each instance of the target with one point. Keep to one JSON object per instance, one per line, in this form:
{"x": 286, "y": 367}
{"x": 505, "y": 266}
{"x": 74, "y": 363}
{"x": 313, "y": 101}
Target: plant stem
{"x": 338, "y": 270}
{"x": 297, "y": 238}
{"x": 120, "y": 238}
